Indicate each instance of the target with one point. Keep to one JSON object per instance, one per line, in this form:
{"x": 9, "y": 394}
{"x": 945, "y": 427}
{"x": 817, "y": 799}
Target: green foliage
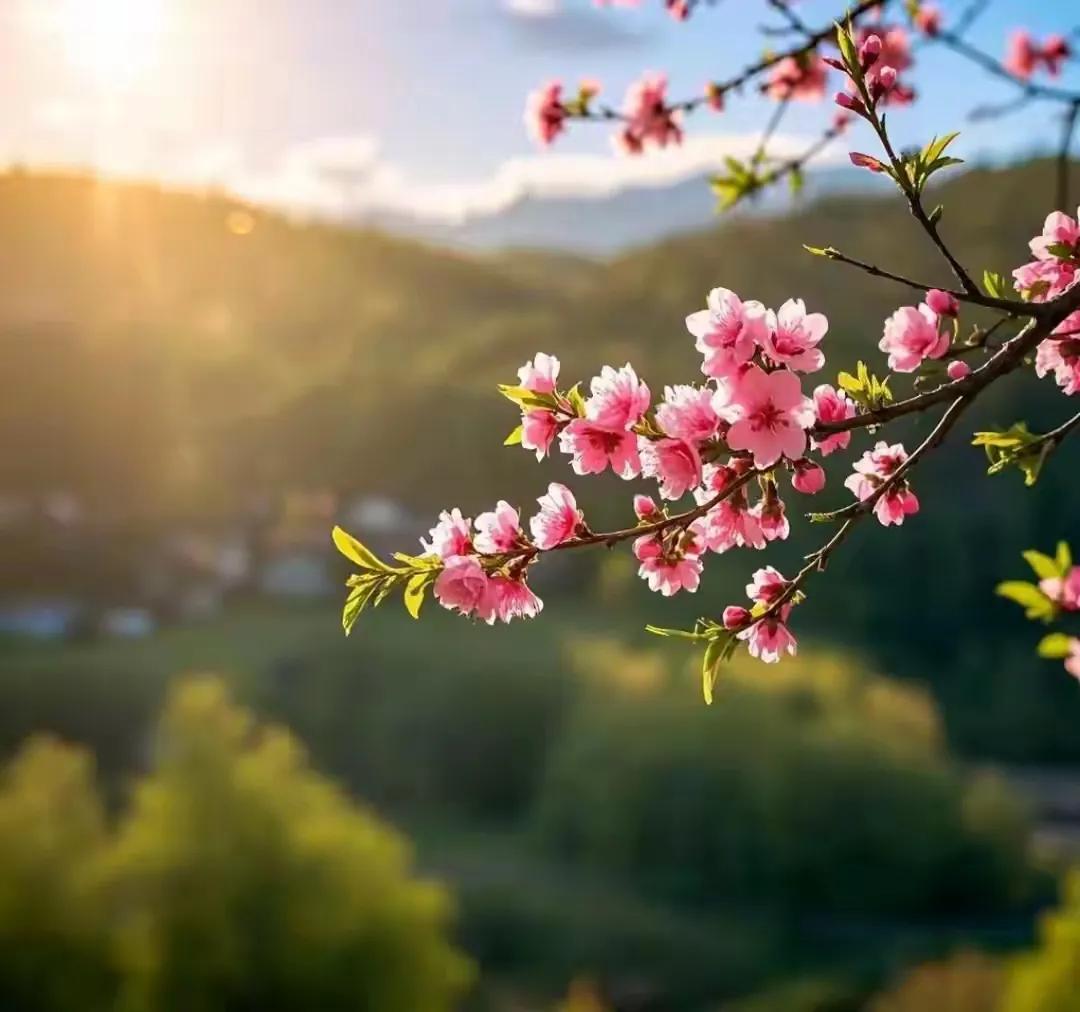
{"x": 1014, "y": 447}
{"x": 1037, "y": 605}
{"x": 864, "y": 388}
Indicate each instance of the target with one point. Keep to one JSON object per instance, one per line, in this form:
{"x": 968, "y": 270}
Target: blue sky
{"x": 329, "y": 103}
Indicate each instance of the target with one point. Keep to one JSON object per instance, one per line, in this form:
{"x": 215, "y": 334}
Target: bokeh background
{"x": 261, "y": 267}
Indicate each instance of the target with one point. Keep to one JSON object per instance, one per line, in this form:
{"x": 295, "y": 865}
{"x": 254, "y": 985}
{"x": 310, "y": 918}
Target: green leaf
{"x": 683, "y": 634}
{"x": 1055, "y": 646}
{"x": 525, "y": 398}
{"x": 847, "y": 49}
{"x": 828, "y": 252}
{"x": 796, "y": 181}
{"x": 1045, "y": 568}
{"x": 1035, "y": 603}
{"x": 356, "y": 602}
{"x": 354, "y": 551}
{"x": 577, "y": 400}
{"x": 710, "y": 667}
{"x": 415, "y": 590}
{"x": 1063, "y": 558}
{"x": 994, "y": 284}
{"x": 514, "y": 439}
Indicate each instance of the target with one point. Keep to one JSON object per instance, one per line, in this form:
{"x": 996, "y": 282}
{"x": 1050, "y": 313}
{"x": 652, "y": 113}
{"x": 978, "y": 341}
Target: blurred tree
{"x": 1048, "y": 980}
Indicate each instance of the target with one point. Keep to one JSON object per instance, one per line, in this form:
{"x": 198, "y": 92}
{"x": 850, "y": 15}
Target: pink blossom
{"x": 882, "y": 78}
{"x": 509, "y": 599}
{"x": 541, "y": 374}
{"x": 730, "y": 523}
{"x": 768, "y": 639}
{"x": 912, "y": 335}
{"x": 674, "y": 463}
{"x": 875, "y": 468}
{"x": 538, "y": 429}
{"x": 728, "y": 332}
{"x": 767, "y": 585}
{"x": 558, "y": 518}
{"x": 462, "y": 585}
{"x": 928, "y": 19}
{"x": 545, "y": 115}
{"x": 688, "y": 413}
{"x": 1055, "y": 51}
{"x": 648, "y": 118}
{"x": 498, "y": 530}
{"x": 1058, "y": 230}
{"x": 793, "y": 336}
{"x": 1042, "y": 280}
{"x": 769, "y": 415}
{"x": 1022, "y": 56}
{"x": 1072, "y": 662}
{"x": 1064, "y": 592}
{"x": 958, "y": 370}
{"x": 594, "y": 447}
{"x": 801, "y": 78}
{"x": 808, "y": 477}
{"x": 832, "y": 406}
{"x": 1060, "y": 354}
{"x": 772, "y": 516}
{"x": 618, "y": 400}
{"x": 668, "y": 572}
{"x": 451, "y": 536}
{"x": 942, "y": 303}
{"x": 735, "y": 617}
{"x": 645, "y": 508}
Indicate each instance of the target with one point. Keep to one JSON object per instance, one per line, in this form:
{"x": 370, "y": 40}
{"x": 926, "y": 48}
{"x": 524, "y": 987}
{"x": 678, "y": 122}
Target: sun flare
{"x": 117, "y": 42}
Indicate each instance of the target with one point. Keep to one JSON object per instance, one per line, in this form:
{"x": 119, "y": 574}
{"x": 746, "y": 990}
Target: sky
{"x": 336, "y": 106}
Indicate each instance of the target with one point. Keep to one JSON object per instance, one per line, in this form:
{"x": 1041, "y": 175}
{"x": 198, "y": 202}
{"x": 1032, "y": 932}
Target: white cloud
{"x": 533, "y": 8}
{"x": 345, "y": 177}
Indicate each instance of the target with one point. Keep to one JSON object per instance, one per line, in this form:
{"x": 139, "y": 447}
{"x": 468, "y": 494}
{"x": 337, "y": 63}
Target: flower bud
{"x": 809, "y": 478}
{"x": 850, "y": 102}
{"x": 869, "y": 52}
{"x": 943, "y": 303}
{"x": 958, "y": 369}
{"x": 861, "y": 161}
{"x": 645, "y": 508}
{"x": 735, "y": 617}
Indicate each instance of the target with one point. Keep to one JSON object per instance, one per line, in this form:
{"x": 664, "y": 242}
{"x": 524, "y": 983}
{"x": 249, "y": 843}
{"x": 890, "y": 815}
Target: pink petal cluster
{"x": 618, "y": 400}
{"x": 1060, "y": 355}
{"x": 793, "y": 336}
{"x": 558, "y": 519}
{"x": 928, "y": 19}
{"x": 728, "y": 332}
{"x": 688, "y": 413}
{"x": 649, "y": 121}
{"x": 669, "y": 570}
{"x": 498, "y": 531}
{"x": 731, "y": 523}
{"x": 769, "y": 415}
{"x": 539, "y": 427}
{"x": 450, "y": 537}
{"x": 1065, "y": 593}
{"x": 799, "y": 78}
{"x": 808, "y": 477}
{"x": 1072, "y": 662}
{"x": 545, "y": 115}
{"x": 541, "y": 375}
{"x": 911, "y": 336}
{"x": 1057, "y": 255}
{"x": 831, "y": 405}
{"x": 1024, "y": 55}
{"x": 595, "y": 448}
{"x": 463, "y": 586}
{"x": 674, "y": 463}
{"x": 876, "y": 467}
{"x": 893, "y": 58}
{"x": 769, "y": 638}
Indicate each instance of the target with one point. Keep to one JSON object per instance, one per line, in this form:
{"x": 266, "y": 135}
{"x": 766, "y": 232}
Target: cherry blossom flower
{"x": 1059, "y": 230}
{"x": 831, "y": 405}
{"x": 462, "y": 585}
{"x": 735, "y": 616}
{"x": 772, "y": 516}
{"x": 668, "y": 571}
{"x": 645, "y": 508}
{"x": 942, "y": 303}
{"x": 545, "y": 115}
{"x": 928, "y": 19}
{"x": 875, "y": 468}
{"x": 883, "y": 76}
{"x": 1072, "y": 662}
{"x": 594, "y": 448}
{"x": 793, "y": 336}
{"x": 688, "y": 413}
{"x": 674, "y": 463}
{"x": 1055, "y": 51}
{"x": 648, "y": 118}
{"x": 728, "y": 332}
{"x": 768, "y": 639}
{"x": 1065, "y": 593}
{"x": 498, "y": 530}
{"x": 510, "y": 598}
{"x": 912, "y": 335}
{"x": 798, "y": 78}
{"x": 1042, "y": 280}
{"x": 808, "y": 477}
{"x": 541, "y": 375}
{"x": 558, "y": 519}
{"x": 538, "y": 429}
{"x": 450, "y": 537}
{"x": 618, "y": 400}
{"x": 1060, "y": 354}
{"x": 731, "y": 523}
{"x": 769, "y": 415}
{"x": 767, "y": 585}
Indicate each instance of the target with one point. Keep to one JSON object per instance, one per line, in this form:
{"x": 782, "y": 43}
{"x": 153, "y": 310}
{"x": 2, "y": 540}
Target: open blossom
{"x": 674, "y": 463}
{"x": 772, "y": 517}
{"x": 831, "y": 405}
{"x": 618, "y": 400}
{"x": 541, "y": 374}
{"x": 538, "y": 429}
{"x": 875, "y": 468}
{"x": 558, "y": 518}
{"x": 462, "y": 585}
{"x": 1059, "y": 230}
{"x": 545, "y": 115}
{"x": 509, "y": 598}
{"x": 451, "y": 536}
{"x": 728, "y": 332}
{"x": 769, "y": 415}
{"x": 1042, "y": 280}
{"x": 793, "y": 336}
{"x": 669, "y": 571}
{"x": 770, "y": 637}
{"x": 1063, "y": 592}
{"x": 594, "y": 447}
{"x": 688, "y": 413}
{"x": 1061, "y": 355}
{"x": 731, "y": 523}
{"x": 648, "y": 118}
{"x": 912, "y": 335}
{"x": 498, "y": 530}
{"x": 801, "y": 78}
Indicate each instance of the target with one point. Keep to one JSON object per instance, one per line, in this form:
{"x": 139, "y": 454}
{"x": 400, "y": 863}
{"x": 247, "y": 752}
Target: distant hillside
{"x": 163, "y": 354}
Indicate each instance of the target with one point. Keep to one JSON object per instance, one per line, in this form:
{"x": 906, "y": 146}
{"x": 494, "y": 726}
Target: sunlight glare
{"x": 116, "y": 41}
